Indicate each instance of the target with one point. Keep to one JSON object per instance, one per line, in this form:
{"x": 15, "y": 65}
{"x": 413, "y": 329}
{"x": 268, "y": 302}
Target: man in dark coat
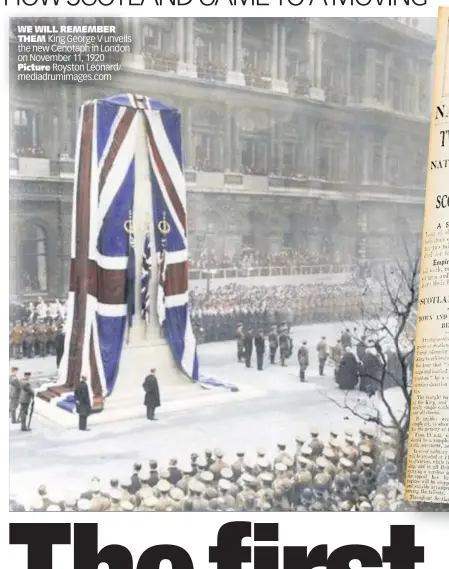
{"x": 59, "y": 345}
{"x": 347, "y": 376}
{"x": 259, "y": 343}
{"x": 303, "y": 361}
{"x": 273, "y": 341}
{"x": 152, "y": 397}
{"x": 361, "y": 348}
{"x": 240, "y": 342}
{"x": 248, "y": 345}
{"x": 14, "y": 394}
{"x": 83, "y": 405}
{"x": 372, "y": 372}
{"x": 25, "y": 399}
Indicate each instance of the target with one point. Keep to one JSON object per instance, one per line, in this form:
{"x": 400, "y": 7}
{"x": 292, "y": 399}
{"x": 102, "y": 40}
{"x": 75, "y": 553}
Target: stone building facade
{"x": 308, "y": 134}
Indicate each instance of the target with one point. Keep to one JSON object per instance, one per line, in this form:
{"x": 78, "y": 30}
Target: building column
{"x": 235, "y": 147}
{"x": 227, "y": 150}
{"x": 278, "y": 82}
{"x": 230, "y": 45}
{"x": 134, "y": 60}
{"x": 63, "y": 123}
{"x": 349, "y": 74}
{"x": 186, "y": 66}
{"x": 187, "y": 135}
{"x": 235, "y": 75}
{"x": 366, "y": 158}
{"x": 387, "y": 80}
{"x": 370, "y": 77}
{"x": 180, "y": 39}
{"x": 362, "y": 237}
{"x": 316, "y": 89}
{"x": 12, "y": 133}
{"x": 309, "y": 164}
{"x": 416, "y": 89}
{"x": 274, "y": 49}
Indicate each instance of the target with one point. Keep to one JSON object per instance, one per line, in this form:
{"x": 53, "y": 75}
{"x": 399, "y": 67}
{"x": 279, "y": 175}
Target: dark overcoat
{"x": 151, "y": 388}
{"x": 83, "y": 406}
{"x": 347, "y": 376}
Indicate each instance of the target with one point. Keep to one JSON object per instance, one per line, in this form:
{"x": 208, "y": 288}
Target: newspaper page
{"x": 428, "y": 457}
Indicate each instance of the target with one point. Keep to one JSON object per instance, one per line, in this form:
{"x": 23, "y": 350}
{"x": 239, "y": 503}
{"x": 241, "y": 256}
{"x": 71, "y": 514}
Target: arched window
{"x": 33, "y": 259}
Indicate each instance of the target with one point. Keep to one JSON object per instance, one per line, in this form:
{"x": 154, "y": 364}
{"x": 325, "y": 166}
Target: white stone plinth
{"x": 133, "y": 61}
{"x": 279, "y": 86}
{"x": 317, "y": 94}
{"x": 186, "y": 69}
{"x": 235, "y": 78}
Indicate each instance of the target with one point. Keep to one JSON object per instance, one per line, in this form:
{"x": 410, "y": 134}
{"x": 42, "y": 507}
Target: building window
{"x": 203, "y": 52}
{"x": 254, "y": 155}
{"x": 23, "y": 128}
{"x": 207, "y": 152}
{"x": 329, "y": 164}
{"x": 33, "y": 259}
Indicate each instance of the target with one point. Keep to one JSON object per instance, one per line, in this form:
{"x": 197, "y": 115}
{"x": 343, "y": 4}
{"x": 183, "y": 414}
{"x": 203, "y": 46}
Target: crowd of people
{"x": 248, "y": 258}
{"x": 347, "y": 472}
{"x": 216, "y": 313}
{"x": 36, "y": 329}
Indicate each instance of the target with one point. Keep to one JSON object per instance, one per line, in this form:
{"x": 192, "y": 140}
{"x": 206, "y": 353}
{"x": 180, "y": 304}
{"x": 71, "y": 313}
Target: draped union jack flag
{"x": 99, "y": 297}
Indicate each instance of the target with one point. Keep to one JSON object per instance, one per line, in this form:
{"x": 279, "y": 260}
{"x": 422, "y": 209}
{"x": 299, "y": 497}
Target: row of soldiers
{"x": 345, "y": 473}
{"x": 21, "y": 396}
{"x": 28, "y": 340}
{"x": 278, "y": 337}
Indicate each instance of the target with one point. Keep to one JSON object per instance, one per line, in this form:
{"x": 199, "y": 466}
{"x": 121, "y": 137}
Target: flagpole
{"x": 130, "y": 230}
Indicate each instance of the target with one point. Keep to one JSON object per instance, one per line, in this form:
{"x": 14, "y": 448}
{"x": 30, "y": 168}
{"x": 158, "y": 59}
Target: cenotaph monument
{"x": 128, "y": 300}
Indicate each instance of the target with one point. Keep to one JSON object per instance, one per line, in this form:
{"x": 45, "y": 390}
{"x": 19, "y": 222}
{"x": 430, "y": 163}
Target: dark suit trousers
{"x": 150, "y": 412}
{"x": 259, "y": 360}
{"x": 82, "y": 422}
{"x": 248, "y": 359}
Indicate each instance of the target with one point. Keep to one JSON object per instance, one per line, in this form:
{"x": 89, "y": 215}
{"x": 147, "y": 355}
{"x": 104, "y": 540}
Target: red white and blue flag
{"x": 101, "y": 298}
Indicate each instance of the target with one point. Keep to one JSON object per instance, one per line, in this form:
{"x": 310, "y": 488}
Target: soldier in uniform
{"x": 175, "y": 473}
{"x": 14, "y": 394}
{"x": 17, "y": 341}
{"x": 259, "y": 342}
{"x": 238, "y": 465}
{"x": 321, "y": 348}
{"x": 284, "y": 345}
{"x": 225, "y": 499}
{"x": 165, "y": 503}
{"x": 208, "y": 457}
{"x": 337, "y": 354}
{"x": 25, "y": 399}
{"x": 240, "y": 342}
{"x": 303, "y": 360}
{"x": 42, "y": 339}
{"x": 273, "y": 342}
{"x": 218, "y": 464}
{"x": 346, "y": 339}
{"x": 59, "y": 344}
{"x": 145, "y": 490}
{"x": 316, "y": 444}
{"x": 248, "y": 345}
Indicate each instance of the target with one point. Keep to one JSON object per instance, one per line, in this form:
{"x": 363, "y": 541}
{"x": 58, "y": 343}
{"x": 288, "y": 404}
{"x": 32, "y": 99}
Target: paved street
{"x": 65, "y": 460}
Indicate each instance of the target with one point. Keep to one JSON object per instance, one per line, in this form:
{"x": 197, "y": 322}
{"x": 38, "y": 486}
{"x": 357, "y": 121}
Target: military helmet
{"x": 366, "y": 460}
{"x": 163, "y": 486}
{"x": 224, "y": 485}
{"x": 267, "y": 477}
{"x": 226, "y": 473}
{"x": 206, "y": 477}
{"x": 150, "y": 502}
{"x": 176, "y": 494}
{"x": 365, "y": 449}
{"x": 307, "y": 495}
{"x": 127, "y": 506}
{"x": 263, "y": 463}
{"x": 306, "y": 451}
